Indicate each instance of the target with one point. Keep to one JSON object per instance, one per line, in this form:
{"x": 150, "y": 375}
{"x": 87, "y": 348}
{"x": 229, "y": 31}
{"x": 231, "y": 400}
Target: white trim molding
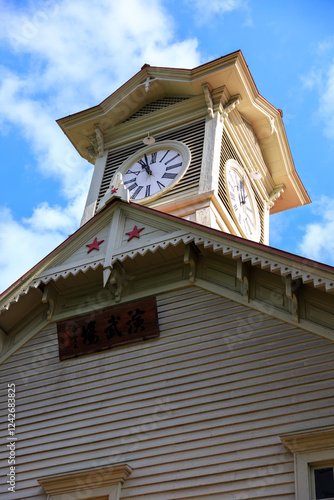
{"x": 101, "y": 482}
{"x": 310, "y": 448}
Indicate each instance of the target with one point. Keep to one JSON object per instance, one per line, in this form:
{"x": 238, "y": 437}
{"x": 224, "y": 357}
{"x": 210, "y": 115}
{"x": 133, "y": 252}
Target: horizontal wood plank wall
{"x": 196, "y": 413}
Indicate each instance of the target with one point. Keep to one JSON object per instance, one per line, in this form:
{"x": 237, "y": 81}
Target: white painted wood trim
{"x": 309, "y": 448}
{"x": 211, "y": 154}
{"x": 87, "y": 483}
{"x": 94, "y": 189}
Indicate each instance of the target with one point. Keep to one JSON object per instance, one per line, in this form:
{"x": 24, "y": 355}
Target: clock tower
{"x": 201, "y": 144}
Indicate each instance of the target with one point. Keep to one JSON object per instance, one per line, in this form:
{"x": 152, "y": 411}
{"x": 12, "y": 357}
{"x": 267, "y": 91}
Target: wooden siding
{"x": 196, "y": 413}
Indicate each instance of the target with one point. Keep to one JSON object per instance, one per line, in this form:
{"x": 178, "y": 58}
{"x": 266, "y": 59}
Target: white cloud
{"x": 327, "y": 102}
{"x": 67, "y": 56}
{"x": 320, "y": 79}
{"x": 205, "y": 10}
{"x": 22, "y": 246}
{"x": 318, "y": 241}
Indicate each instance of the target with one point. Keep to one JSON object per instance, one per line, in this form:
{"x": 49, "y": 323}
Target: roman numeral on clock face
{"x": 249, "y": 227}
{"x": 136, "y": 193}
{"x": 166, "y": 163}
{"x": 169, "y": 175}
{"x": 160, "y": 185}
{"x": 177, "y": 165}
{"x": 164, "y": 156}
{"x": 148, "y": 190}
{"x": 129, "y": 181}
{"x": 133, "y": 186}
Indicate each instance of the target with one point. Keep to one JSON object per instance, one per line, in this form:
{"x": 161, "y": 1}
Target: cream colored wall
{"x": 197, "y": 413}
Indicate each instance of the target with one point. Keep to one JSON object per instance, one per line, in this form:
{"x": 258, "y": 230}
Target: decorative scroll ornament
{"x": 230, "y": 106}
{"x": 190, "y": 259}
{"x": 272, "y": 125}
{"x": 92, "y": 153}
{"x": 208, "y": 99}
{"x": 223, "y": 110}
{"x": 275, "y": 194}
{"x": 147, "y": 84}
{"x": 50, "y": 296}
{"x": 97, "y": 143}
{"x": 4, "y": 342}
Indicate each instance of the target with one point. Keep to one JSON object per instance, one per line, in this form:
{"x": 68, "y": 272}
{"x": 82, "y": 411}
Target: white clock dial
{"x": 154, "y": 170}
{"x": 152, "y": 173}
{"x": 242, "y": 201}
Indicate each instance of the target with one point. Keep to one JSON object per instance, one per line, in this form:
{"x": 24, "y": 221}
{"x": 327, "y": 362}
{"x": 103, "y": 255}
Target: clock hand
{"x": 243, "y": 192}
{"x": 145, "y": 166}
{"x": 239, "y": 193}
{"x": 149, "y": 171}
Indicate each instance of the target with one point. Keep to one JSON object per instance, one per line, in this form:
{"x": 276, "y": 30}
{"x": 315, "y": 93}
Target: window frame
{"x": 305, "y": 463}
{"x": 313, "y": 468}
{"x": 312, "y": 449}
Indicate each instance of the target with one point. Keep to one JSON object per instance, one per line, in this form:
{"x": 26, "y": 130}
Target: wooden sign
{"x": 108, "y": 328}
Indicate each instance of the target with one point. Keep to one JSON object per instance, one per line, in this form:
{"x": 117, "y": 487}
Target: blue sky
{"x": 62, "y": 56}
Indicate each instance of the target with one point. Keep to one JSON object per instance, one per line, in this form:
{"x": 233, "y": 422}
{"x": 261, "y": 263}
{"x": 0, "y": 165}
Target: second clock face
{"x": 242, "y": 201}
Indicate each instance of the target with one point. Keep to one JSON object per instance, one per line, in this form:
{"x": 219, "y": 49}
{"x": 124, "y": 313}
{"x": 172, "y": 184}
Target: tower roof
{"x": 228, "y": 76}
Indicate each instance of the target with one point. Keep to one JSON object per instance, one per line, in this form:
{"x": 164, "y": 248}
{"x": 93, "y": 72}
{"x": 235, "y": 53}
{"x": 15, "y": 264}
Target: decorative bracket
{"x": 230, "y": 106}
{"x": 117, "y": 276}
{"x": 275, "y": 194}
{"x": 272, "y": 125}
{"x": 223, "y": 110}
{"x": 208, "y": 99}
{"x": 99, "y": 141}
{"x": 291, "y": 286}
{"x": 147, "y": 83}
{"x": 243, "y": 275}
{"x": 50, "y": 296}
{"x": 190, "y": 258}
{"x": 92, "y": 153}
{"x": 4, "y": 342}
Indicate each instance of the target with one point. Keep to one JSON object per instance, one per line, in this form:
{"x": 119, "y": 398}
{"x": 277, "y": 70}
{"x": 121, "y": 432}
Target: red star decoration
{"x": 134, "y": 233}
{"x": 94, "y": 245}
{"x": 114, "y": 190}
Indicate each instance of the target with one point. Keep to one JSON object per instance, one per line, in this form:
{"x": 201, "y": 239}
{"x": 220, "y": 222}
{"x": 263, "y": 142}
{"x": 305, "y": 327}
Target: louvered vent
{"x": 192, "y": 135}
{"x": 156, "y": 106}
{"x": 228, "y": 152}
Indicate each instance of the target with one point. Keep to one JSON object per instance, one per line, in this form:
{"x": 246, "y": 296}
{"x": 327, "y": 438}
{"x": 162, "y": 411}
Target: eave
{"x": 228, "y": 74}
{"x": 58, "y": 273}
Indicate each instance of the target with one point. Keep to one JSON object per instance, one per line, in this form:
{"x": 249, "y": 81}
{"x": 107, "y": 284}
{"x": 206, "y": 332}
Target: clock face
{"x": 242, "y": 201}
{"x": 155, "y": 169}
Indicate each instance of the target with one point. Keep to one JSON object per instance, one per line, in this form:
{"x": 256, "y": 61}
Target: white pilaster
{"x": 211, "y": 153}
{"x": 94, "y": 189}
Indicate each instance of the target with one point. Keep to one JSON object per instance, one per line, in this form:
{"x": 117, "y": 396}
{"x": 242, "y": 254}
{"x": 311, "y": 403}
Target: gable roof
{"x": 128, "y": 238}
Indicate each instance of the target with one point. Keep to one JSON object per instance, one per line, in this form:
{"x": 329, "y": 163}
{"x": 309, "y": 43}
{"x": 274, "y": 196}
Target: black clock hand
{"x": 239, "y": 193}
{"x": 243, "y": 192}
{"x": 145, "y": 165}
{"x": 135, "y": 172}
{"x": 149, "y": 171}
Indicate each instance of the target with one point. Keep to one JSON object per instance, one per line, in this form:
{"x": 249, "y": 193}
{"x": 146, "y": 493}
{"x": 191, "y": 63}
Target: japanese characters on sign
{"x": 107, "y": 328}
